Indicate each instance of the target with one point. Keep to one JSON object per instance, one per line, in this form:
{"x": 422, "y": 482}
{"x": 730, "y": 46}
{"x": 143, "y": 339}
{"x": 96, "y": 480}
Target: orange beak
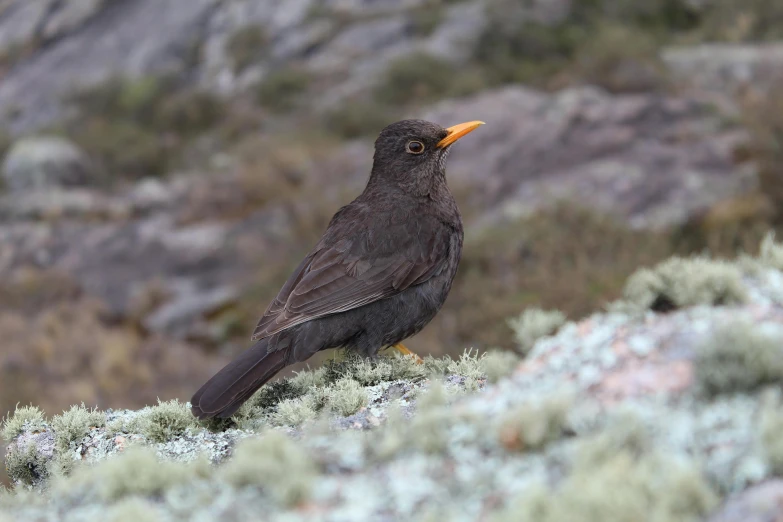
{"x": 458, "y": 131}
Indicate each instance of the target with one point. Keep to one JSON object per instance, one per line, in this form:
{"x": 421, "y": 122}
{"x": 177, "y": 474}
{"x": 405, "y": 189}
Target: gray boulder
{"x": 45, "y": 162}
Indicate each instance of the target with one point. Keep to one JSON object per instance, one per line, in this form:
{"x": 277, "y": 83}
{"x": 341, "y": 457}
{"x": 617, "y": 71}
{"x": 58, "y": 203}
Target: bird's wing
{"x": 357, "y": 269}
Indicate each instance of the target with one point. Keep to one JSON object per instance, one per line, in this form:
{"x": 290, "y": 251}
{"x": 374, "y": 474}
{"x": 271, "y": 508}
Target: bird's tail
{"x": 228, "y": 389}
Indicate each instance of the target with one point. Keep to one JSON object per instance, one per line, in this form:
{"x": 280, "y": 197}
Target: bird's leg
{"x": 403, "y": 350}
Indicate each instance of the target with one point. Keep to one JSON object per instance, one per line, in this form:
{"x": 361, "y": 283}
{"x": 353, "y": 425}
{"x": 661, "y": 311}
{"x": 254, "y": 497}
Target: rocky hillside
{"x": 165, "y": 164}
{"x": 667, "y": 407}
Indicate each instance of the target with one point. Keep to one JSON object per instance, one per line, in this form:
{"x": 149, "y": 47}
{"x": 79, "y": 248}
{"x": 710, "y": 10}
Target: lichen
{"x": 167, "y": 420}
{"x": 25, "y": 464}
{"x": 133, "y": 510}
{"x": 274, "y": 463}
{"x": 346, "y": 397}
{"x": 29, "y": 418}
{"x": 498, "y": 364}
{"x": 530, "y": 426}
{"x": 739, "y": 357}
{"x": 74, "y": 424}
{"x": 680, "y": 282}
{"x": 771, "y": 253}
{"x": 533, "y": 324}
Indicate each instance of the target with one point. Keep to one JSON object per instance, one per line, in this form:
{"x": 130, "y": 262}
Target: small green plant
{"x": 246, "y": 46}
{"x": 416, "y": 79}
{"x": 282, "y": 90}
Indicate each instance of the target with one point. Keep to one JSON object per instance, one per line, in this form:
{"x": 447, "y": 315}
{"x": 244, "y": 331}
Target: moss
{"x": 533, "y": 324}
{"x": 282, "y": 90}
{"x": 26, "y": 464}
{"x": 532, "y": 426}
{"x": 346, "y": 397}
{"x": 739, "y": 357}
{"x": 135, "y": 472}
{"x": 133, "y": 510}
{"x": 679, "y": 282}
{"x": 24, "y": 418}
{"x": 271, "y": 394}
{"x": 274, "y": 463}
{"x": 166, "y": 421}
{"x": 246, "y": 46}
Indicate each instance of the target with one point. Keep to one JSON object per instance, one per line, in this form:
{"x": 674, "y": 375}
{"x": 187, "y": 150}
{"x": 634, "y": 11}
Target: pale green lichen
{"x": 167, "y": 420}
{"x": 73, "y": 424}
{"x": 294, "y": 412}
{"x": 771, "y": 253}
{"x": 29, "y": 418}
{"x": 739, "y": 357}
{"x": 679, "y": 282}
{"x": 274, "y": 463}
{"x": 532, "y": 425}
{"x": 533, "y": 324}
{"x": 133, "y": 510}
{"x": 136, "y": 472}
{"x": 619, "y": 488}
{"x": 346, "y": 397}
{"x": 25, "y": 464}
{"x": 771, "y": 428}
{"x": 497, "y": 364}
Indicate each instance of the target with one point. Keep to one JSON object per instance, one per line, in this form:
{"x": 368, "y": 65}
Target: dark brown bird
{"x": 379, "y": 274}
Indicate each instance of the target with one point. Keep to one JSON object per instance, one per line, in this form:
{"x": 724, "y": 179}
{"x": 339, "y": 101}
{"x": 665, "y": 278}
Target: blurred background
{"x": 167, "y": 163}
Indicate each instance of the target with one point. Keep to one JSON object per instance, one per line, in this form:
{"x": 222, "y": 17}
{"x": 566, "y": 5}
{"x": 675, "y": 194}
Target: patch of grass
{"x": 533, "y": 324}
{"x": 274, "y": 463}
{"x": 678, "y": 282}
{"x": 282, "y": 90}
{"x": 24, "y": 418}
{"x": 73, "y": 424}
{"x": 246, "y": 46}
{"x": 738, "y": 358}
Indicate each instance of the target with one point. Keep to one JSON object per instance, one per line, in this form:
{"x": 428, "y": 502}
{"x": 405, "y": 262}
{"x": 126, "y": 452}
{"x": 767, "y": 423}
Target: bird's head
{"x": 412, "y": 153}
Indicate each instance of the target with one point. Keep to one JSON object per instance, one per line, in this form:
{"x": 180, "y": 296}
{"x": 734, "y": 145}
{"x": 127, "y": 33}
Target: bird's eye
{"x": 415, "y": 147}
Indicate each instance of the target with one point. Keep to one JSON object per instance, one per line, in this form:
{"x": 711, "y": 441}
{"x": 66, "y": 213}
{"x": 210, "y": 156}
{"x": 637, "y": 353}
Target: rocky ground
{"x": 164, "y": 165}
{"x": 666, "y": 407}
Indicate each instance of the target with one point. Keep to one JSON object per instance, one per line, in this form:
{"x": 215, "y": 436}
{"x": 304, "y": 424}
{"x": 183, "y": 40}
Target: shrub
{"x": 247, "y": 45}
{"x": 281, "y": 90}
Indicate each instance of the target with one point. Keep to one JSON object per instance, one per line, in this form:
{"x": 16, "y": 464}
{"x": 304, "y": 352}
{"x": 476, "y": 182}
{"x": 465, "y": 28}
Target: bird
{"x": 379, "y": 274}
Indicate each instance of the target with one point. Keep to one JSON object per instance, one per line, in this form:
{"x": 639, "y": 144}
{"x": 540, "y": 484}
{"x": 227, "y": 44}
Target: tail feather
{"x": 223, "y": 394}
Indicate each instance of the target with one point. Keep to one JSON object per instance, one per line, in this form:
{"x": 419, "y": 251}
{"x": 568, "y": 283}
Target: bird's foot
{"x": 403, "y": 350}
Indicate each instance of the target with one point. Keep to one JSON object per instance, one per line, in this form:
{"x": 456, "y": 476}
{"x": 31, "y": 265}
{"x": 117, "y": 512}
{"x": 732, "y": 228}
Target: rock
{"x": 725, "y": 69}
{"x": 46, "y": 162}
{"x": 761, "y": 503}
{"x": 651, "y": 160}
{"x": 610, "y": 416}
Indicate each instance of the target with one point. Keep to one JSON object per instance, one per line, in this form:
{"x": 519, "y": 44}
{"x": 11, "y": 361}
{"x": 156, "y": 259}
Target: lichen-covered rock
{"x": 45, "y": 162}
{"x": 628, "y": 415}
